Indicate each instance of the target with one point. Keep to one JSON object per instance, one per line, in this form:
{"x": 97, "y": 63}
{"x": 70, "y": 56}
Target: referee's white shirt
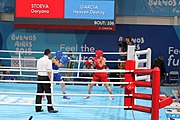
{"x": 43, "y": 64}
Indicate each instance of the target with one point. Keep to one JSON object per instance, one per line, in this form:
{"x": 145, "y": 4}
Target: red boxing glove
{"x": 97, "y": 63}
{"x": 94, "y": 59}
{"x": 87, "y": 62}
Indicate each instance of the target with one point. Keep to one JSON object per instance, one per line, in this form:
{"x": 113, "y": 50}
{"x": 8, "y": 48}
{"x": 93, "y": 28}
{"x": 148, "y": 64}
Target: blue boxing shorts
{"x": 57, "y": 77}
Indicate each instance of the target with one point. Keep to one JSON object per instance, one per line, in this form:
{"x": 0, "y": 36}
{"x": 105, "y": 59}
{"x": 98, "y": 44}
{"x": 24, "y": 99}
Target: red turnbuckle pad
{"x": 141, "y": 108}
{"x": 165, "y": 102}
{"x": 143, "y": 71}
{"x": 143, "y": 84}
{"x": 142, "y": 96}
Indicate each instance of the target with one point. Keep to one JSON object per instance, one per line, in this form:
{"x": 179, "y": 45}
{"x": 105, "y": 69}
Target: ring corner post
{"x": 155, "y": 93}
{"x": 131, "y": 52}
{"x": 129, "y": 77}
{"x": 52, "y": 87}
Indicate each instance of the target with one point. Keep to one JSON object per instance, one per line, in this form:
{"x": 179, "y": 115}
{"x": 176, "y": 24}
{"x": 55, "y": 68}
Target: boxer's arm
{"x": 121, "y": 50}
{"x": 56, "y": 62}
{"x": 103, "y": 62}
{"x": 69, "y": 65}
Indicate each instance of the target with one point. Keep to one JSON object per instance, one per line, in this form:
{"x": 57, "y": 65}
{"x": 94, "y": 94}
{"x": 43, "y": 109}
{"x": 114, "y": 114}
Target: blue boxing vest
{"x": 56, "y": 76}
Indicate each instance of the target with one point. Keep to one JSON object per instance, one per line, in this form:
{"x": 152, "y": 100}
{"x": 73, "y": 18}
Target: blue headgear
{"x": 59, "y": 55}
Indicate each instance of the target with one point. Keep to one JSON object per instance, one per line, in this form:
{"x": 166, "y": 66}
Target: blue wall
{"x": 148, "y": 7}
{"x": 163, "y": 40}
{"x": 7, "y": 6}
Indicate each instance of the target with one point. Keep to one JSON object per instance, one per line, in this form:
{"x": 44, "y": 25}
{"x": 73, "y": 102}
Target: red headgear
{"x": 99, "y": 53}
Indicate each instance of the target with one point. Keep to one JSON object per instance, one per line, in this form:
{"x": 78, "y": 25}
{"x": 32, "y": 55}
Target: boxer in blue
{"x": 58, "y": 61}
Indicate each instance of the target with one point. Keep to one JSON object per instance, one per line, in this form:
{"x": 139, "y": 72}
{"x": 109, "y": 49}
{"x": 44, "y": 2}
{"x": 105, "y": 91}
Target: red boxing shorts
{"x": 102, "y": 76}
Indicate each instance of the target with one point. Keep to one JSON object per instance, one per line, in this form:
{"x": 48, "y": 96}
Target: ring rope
{"x": 141, "y": 77}
{"x": 62, "y": 105}
{"x": 142, "y": 52}
{"x": 84, "y": 53}
{"x": 7, "y": 67}
{"x": 35, "y": 76}
{"x": 30, "y": 81}
{"x": 99, "y": 95}
{"x": 115, "y": 61}
{"x": 171, "y": 107}
{"x": 71, "y": 70}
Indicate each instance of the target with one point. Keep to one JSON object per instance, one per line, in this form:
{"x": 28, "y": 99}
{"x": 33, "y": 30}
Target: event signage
{"x": 148, "y": 7}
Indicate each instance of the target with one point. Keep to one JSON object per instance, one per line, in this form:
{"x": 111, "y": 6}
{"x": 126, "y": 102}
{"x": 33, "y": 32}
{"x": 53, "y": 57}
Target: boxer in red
{"x": 100, "y": 63}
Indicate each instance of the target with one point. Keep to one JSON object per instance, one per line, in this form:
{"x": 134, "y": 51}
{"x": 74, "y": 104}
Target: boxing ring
{"x": 17, "y": 97}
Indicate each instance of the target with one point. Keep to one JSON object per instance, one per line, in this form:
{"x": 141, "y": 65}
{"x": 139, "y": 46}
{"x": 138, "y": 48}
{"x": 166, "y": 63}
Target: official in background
{"x": 159, "y": 62}
{"x": 123, "y": 47}
{"x": 70, "y": 65}
{"x": 44, "y": 64}
{"x": 8, "y": 77}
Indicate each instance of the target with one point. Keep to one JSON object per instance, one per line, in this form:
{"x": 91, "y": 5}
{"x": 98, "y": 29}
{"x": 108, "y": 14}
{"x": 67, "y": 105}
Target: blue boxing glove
{"x": 59, "y": 54}
{"x": 65, "y": 59}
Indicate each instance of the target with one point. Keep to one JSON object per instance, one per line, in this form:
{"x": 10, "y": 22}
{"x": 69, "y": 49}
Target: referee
{"x": 43, "y": 64}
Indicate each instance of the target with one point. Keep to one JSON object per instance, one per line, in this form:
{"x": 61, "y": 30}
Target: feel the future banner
{"x": 148, "y": 7}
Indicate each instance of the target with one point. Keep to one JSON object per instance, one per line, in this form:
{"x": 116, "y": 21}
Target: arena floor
{"x": 66, "y": 113}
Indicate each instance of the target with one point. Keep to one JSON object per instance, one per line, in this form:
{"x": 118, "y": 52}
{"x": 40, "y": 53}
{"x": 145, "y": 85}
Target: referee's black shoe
{"x": 40, "y": 110}
{"x": 53, "y": 111}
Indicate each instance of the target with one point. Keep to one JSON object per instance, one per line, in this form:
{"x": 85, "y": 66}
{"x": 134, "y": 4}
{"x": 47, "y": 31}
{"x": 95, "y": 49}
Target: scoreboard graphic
{"x": 66, "y": 14}
{"x": 39, "y": 8}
